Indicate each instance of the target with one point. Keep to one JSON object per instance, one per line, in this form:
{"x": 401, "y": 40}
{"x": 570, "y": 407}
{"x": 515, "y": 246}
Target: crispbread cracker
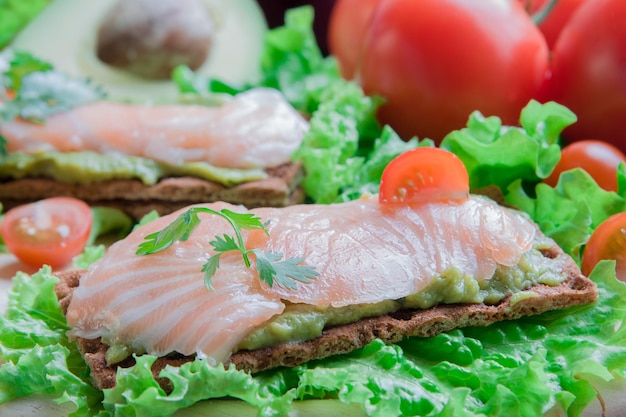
{"x": 279, "y": 189}
{"x": 576, "y": 289}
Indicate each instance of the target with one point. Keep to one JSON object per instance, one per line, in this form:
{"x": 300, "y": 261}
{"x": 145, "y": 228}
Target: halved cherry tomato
{"x": 50, "y": 231}
{"x": 600, "y": 159}
{"x": 424, "y": 175}
{"x": 608, "y": 241}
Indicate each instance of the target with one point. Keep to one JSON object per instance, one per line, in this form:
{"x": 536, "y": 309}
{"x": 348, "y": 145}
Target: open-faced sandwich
{"x": 140, "y": 158}
{"x": 262, "y": 288}
{"x": 103, "y": 131}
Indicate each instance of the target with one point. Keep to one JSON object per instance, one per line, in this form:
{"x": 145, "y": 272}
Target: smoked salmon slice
{"x": 256, "y": 129}
{"x": 363, "y": 252}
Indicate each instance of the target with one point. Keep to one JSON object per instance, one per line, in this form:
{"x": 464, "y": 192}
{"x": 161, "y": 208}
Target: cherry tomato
{"x": 50, "y": 231}
{"x": 424, "y": 175}
{"x": 608, "y": 241}
{"x": 345, "y": 34}
{"x": 436, "y": 61}
{"x": 588, "y": 72}
{"x": 554, "y": 22}
{"x": 598, "y": 158}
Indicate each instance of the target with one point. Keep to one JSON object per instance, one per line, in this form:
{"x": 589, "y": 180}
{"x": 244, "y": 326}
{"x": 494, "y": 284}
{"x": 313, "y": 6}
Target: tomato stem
{"x": 542, "y": 13}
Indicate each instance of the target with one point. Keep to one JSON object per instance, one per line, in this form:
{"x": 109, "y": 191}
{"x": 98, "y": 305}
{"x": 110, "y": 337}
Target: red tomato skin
{"x": 436, "y": 61}
{"x": 347, "y": 26}
{"x": 424, "y": 175}
{"x": 600, "y": 159}
{"x": 55, "y": 253}
{"x": 588, "y": 72}
{"x": 556, "y": 20}
{"x": 608, "y": 241}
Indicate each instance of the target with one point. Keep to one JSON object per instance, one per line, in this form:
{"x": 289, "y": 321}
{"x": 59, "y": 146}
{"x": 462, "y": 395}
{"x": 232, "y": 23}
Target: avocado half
{"x": 66, "y": 35}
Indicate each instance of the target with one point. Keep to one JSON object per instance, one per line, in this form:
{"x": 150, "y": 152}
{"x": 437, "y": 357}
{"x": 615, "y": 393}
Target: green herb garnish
{"x": 32, "y": 90}
{"x": 271, "y": 269}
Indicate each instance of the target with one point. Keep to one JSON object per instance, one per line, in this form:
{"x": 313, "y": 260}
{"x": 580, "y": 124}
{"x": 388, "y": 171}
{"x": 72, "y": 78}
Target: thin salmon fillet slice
{"x": 256, "y": 129}
{"x": 363, "y": 252}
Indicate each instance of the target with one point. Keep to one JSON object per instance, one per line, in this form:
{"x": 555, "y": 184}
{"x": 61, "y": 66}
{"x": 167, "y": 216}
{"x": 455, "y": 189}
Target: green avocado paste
{"x": 302, "y": 322}
{"x": 88, "y": 167}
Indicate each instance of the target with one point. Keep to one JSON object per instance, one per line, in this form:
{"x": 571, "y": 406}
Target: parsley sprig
{"x": 272, "y": 270}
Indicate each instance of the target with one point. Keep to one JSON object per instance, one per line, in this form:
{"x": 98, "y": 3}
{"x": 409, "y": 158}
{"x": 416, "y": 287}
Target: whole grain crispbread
{"x": 279, "y": 189}
{"x": 576, "y": 289}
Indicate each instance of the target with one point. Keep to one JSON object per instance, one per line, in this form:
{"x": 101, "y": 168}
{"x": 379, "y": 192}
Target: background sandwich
{"x": 140, "y": 157}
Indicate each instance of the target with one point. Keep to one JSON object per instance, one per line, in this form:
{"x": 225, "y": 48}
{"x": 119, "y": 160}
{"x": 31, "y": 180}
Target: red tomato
{"x": 589, "y": 72}
{"x": 552, "y": 25}
{"x": 348, "y": 23}
{"x": 424, "y": 175}
{"x": 608, "y": 241}
{"x": 436, "y": 61}
{"x": 598, "y": 158}
{"x": 50, "y": 231}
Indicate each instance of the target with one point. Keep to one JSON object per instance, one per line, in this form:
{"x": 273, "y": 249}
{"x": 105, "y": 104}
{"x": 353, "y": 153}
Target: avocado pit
{"x": 150, "y": 39}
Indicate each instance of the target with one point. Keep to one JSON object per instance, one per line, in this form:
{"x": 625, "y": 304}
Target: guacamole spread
{"x": 301, "y": 322}
{"x": 88, "y": 167}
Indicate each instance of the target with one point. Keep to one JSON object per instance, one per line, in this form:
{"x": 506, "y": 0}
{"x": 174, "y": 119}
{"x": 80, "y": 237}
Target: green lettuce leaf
{"x": 570, "y": 211}
{"x": 39, "y": 358}
{"x": 109, "y": 224}
{"x": 293, "y": 63}
{"x": 138, "y": 394}
{"x": 499, "y": 155}
{"x": 109, "y": 221}
{"x": 331, "y": 149}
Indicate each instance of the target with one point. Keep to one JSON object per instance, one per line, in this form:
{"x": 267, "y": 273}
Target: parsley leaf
{"x": 209, "y": 269}
{"x": 244, "y": 220}
{"x": 178, "y": 230}
{"x": 271, "y": 269}
{"x": 225, "y": 244}
{"x": 284, "y": 273}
